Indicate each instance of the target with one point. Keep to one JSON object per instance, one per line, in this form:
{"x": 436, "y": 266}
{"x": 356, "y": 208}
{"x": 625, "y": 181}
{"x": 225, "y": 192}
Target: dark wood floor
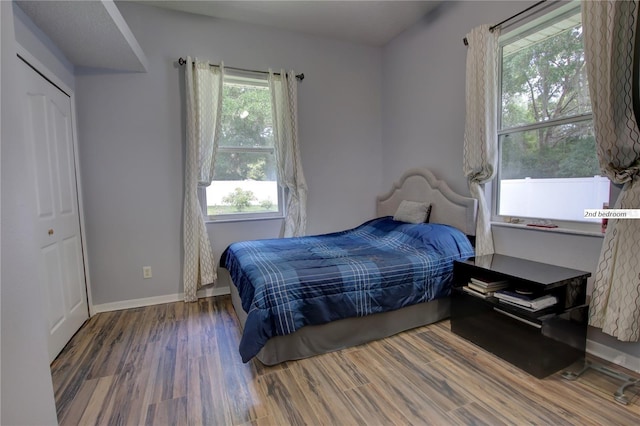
{"x": 178, "y": 364}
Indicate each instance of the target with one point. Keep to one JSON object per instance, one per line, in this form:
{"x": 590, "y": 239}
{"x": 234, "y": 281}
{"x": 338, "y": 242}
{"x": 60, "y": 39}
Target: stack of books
{"x": 484, "y": 288}
{"x": 524, "y": 301}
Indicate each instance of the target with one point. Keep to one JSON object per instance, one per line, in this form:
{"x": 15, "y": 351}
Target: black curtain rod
{"x": 493, "y": 27}
{"x": 300, "y": 77}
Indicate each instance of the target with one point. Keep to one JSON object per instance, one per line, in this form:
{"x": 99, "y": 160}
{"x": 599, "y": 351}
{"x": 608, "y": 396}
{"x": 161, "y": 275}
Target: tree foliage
{"x": 267, "y": 204}
{"x": 570, "y": 157}
{"x": 240, "y": 199}
{"x": 246, "y": 123}
{"x": 545, "y": 81}
{"x": 542, "y": 82}
{"x": 246, "y": 116}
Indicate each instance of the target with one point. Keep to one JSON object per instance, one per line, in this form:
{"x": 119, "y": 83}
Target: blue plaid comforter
{"x": 381, "y": 265}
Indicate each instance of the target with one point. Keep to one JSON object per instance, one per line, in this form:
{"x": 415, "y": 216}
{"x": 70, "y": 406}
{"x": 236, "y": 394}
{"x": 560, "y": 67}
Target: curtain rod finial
{"x": 465, "y": 41}
{"x": 182, "y": 61}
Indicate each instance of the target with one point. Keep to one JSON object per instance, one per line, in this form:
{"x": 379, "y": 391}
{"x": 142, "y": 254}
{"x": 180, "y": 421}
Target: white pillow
{"x": 412, "y": 212}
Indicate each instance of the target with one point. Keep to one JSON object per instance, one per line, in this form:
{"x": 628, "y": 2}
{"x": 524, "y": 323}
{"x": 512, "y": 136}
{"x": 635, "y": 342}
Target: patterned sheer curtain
{"x": 284, "y": 102}
{"x": 203, "y": 93}
{"x": 480, "y": 131}
{"x": 609, "y": 36}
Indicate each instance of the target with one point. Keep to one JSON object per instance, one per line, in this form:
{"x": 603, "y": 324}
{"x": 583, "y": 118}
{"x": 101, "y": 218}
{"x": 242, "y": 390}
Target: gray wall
{"x": 26, "y": 389}
{"x": 424, "y": 92}
{"x": 31, "y": 38}
{"x": 423, "y": 125}
{"x": 131, "y": 143}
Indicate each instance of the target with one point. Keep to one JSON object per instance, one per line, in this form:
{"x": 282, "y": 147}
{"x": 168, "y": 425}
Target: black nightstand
{"x": 540, "y": 343}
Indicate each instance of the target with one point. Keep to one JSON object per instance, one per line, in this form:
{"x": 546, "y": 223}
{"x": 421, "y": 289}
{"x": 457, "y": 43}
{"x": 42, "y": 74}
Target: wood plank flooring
{"x": 178, "y": 364}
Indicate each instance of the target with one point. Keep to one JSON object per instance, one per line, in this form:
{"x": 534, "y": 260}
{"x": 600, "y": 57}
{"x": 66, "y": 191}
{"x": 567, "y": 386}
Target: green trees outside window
{"x": 245, "y": 178}
{"x": 544, "y": 82}
{"x": 547, "y": 151}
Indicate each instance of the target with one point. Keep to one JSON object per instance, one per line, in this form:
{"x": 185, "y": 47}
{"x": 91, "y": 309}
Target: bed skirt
{"x": 319, "y": 339}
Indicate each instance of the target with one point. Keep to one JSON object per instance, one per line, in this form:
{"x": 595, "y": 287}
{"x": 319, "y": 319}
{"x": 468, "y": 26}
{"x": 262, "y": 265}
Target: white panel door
{"x": 50, "y": 147}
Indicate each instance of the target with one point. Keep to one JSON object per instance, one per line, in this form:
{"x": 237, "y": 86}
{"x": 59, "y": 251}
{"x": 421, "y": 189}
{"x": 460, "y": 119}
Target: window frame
{"x": 246, "y": 79}
{"x": 542, "y": 20}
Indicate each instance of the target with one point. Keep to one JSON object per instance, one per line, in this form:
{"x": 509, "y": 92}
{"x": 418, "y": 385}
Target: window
{"x": 245, "y": 179}
{"x": 548, "y": 166}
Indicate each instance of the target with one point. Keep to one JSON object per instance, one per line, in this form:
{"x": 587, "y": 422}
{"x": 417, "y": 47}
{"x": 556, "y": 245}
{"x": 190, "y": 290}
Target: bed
{"x": 372, "y": 298}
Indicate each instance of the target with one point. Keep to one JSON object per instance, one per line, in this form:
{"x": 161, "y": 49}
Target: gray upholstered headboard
{"x": 447, "y": 206}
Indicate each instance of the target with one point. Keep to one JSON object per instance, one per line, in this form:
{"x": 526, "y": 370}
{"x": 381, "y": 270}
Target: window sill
{"x": 552, "y": 230}
{"x": 241, "y": 219}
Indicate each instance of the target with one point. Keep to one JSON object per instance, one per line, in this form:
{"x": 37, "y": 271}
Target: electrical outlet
{"x": 146, "y": 272}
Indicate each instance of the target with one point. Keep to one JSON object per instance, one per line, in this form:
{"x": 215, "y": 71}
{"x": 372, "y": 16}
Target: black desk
{"x": 539, "y": 343}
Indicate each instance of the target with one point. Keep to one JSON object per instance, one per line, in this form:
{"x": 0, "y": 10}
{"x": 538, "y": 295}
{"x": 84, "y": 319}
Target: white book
{"x": 544, "y": 301}
{"x": 522, "y": 301}
{"x": 526, "y": 308}
{"x": 532, "y": 307}
{"x": 472, "y": 292}
{"x": 480, "y": 289}
{"x": 488, "y": 283}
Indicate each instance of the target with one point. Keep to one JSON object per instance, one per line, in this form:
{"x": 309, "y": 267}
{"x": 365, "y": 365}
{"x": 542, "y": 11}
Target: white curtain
{"x": 480, "y": 130}
{"x": 203, "y": 93}
{"x": 284, "y": 102}
{"x": 609, "y": 36}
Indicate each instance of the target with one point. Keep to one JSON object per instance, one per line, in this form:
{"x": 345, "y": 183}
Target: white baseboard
{"x": 156, "y": 300}
{"x": 615, "y": 356}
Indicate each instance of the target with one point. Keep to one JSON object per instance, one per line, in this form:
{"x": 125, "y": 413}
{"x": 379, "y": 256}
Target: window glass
{"x": 548, "y": 163}
{"x": 245, "y": 178}
{"x": 544, "y": 75}
{"x": 560, "y": 151}
{"x": 246, "y": 115}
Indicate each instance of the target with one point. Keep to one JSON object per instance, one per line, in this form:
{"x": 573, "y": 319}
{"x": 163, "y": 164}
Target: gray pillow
{"x": 412, "y": 212}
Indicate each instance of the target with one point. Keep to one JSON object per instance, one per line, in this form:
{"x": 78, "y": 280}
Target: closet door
{"x": 51, "y": 159}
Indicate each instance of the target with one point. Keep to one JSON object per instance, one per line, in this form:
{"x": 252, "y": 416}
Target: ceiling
{"x": 89, "y": 33}
{"x": 373, "y": 23}
{"x": 94, "y": 34}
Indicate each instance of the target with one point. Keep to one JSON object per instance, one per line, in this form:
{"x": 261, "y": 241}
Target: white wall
{"x": 27, "y": 391}
{"x": 131, "y": 143}
{"x": 423, "y": 125}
